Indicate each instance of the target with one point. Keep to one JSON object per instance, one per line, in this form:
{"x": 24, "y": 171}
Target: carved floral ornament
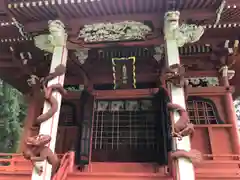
{"x": 82, "y": 55}
{"x": 126, "y": 30}
{"x": 202, "y": 81}
{"x": 125, "y": 105}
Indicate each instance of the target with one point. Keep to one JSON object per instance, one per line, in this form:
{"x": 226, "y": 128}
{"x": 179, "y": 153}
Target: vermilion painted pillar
{"x": 231, "y": 113}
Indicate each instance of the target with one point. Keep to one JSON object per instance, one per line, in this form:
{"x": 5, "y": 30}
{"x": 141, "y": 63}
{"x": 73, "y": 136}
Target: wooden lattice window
{"x": 123, "y": 131}
{"x": 67, "y": 115}
{"x": 202, "y": 111}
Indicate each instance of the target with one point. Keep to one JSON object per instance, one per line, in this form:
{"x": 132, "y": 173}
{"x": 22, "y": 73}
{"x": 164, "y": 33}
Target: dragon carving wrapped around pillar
{"x": 183, "y": 127}
{"x": 36, "y": 149}
{"x": 181, "y": 34}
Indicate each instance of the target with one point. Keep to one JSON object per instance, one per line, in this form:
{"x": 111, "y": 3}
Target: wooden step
{"x": 117, "y": 176}
{"x": 111, "y": 167}
{"x": 209, "y": 167}
{"x": 15, "y": 175}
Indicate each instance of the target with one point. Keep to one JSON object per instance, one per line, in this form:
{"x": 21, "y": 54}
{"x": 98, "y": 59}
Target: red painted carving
{"x": 175, "y": 74}
{"x": 39, "y": 140}
{"x": 52, "y": 101}
{"x": 182, "y": 127}
{"x": 193, "y": 155}
{"x": 36, "y": 151}
{"x": 59, "y": 70}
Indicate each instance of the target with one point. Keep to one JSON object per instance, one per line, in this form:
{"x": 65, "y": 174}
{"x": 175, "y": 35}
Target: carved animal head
{"x": 175, "y": 70}
{"x": 55, "y": 26}
{"x": 171, "y": 19}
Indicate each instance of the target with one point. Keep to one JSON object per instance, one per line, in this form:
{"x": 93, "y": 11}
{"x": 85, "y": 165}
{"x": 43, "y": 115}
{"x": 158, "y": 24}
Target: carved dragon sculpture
{"x": 175, "y": 75}
{"x": 59, "y": 70}
{"x": 47, "y": 42}
{"x": 182, "y": 127}
{"x": 184, "y": 33}
{"x": 193, "y": 155}
{"x": 37, "y": 151}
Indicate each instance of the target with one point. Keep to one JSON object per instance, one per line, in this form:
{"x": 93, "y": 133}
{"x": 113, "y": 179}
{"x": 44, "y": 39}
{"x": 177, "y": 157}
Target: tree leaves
{"x": 12, "y": 114}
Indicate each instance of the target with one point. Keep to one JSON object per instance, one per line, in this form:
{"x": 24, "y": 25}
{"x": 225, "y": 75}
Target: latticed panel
{"x": 67, "y": 115}
{"x": 202, "y": 112}
{"x": 121, "y": 127}
{"x": 112, "y": 130}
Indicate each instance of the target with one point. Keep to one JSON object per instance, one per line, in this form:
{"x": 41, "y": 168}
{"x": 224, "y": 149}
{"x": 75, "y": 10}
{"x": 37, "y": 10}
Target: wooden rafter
{"x": 156, "y": 18}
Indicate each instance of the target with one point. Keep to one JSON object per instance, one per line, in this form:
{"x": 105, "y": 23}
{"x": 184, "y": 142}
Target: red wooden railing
{"x": 67, "y": 163}
{"x": 16, "y": 163}
{"x": 226, "y": 163}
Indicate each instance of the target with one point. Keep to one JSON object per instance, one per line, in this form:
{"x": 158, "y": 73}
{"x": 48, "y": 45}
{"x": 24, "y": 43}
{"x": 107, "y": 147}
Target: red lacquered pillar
{"x": 230, "y": 111}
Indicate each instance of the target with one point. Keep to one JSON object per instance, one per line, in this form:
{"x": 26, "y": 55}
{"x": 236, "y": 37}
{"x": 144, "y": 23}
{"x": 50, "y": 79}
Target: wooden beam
{"x": 156, "y": 18}
{"x": 7, "y": 65}
{"x": 105, "y": 79}
{"x": 5, "y": 56}
{"x": 210, "y": 36}
{"x": 143, "y": 77}
{"x": 232, "y": 2}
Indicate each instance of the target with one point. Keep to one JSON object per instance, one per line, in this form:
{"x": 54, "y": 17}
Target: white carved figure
{"x": 132, "y": 106}
{"x": 32, "y": 80}
{"x": 126, "y": 30}
{"x": 159, "y": 53}
{"x": 117, "y": 105}
{"x": 102, "y": 105}
{"x": 57, "y": 37}
{"x": 82, "y": 55}
{"x": 185, "y": 33}
{"x": 57, "y": 34}
{"x": 146, "y": 104}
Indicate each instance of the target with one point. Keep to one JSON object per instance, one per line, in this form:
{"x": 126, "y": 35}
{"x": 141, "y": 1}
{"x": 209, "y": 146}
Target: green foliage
{"x": 12, "y": 114}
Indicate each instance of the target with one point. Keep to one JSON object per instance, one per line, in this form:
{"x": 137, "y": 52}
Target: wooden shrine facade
{"x": 117, "y": 55}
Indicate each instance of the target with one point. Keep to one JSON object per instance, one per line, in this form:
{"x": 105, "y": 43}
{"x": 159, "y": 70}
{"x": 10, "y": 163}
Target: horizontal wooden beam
{"x": 141, "y": 93}
{"x": 233, "y": 2}
{"x": 143, "y": 77}
{"x": 156, "y": 18}
{"x": 108, "y": 78}
{"x": 7, "y": 65}
{"x": 5, "y": 56}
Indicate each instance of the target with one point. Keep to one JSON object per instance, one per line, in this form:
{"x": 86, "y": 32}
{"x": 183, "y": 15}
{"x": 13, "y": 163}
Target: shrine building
{"x": 123, "y": 89}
